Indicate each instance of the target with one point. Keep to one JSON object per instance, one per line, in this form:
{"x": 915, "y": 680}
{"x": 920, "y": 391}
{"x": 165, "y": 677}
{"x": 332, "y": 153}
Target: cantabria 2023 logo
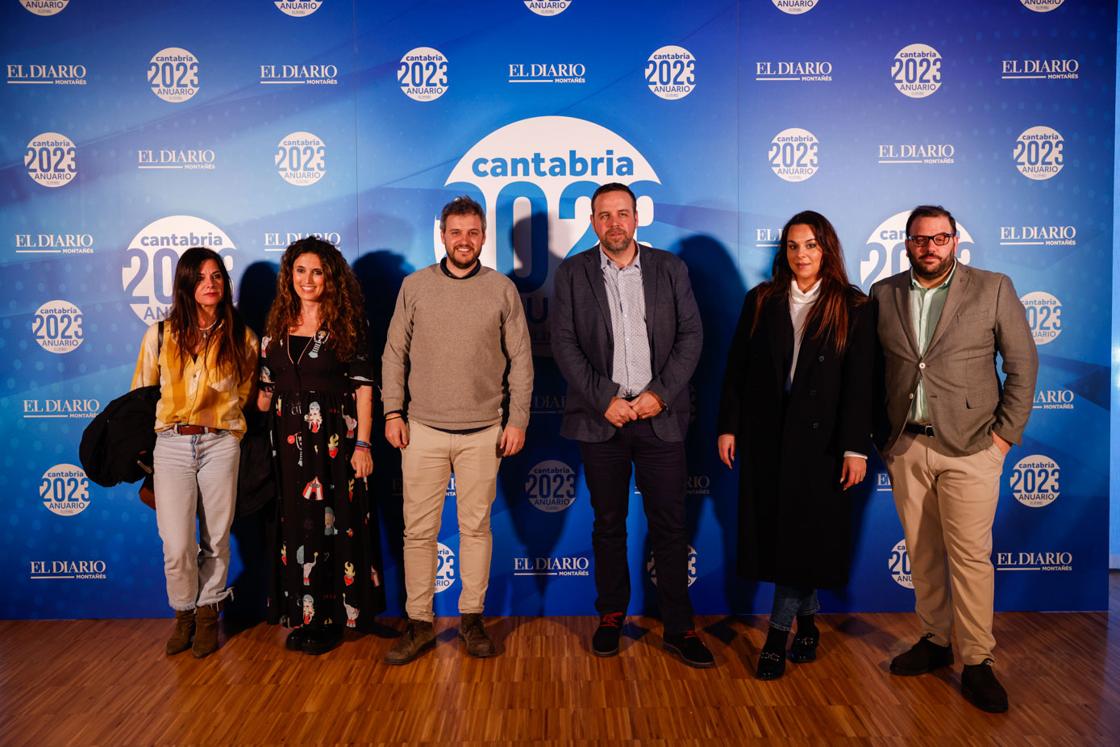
{"x": 64, "y": 490}
{"x": 535, "y": 178}
{"x": 51, "y": 159}
{"x": 44, "y": 7}
{"x": 886, "y": 249}
{"x": 149, "y": 269}
{"x": 651, "y": 567}
{"x": 916, "y": 71}
{"x": 547, "y": 7}
{"x": 445, "y": 567}
{"x": 57, "y": 326}
{"x": 173, "y": 74}
{"x": 550, "y": 486}
{"x": 898, "y": 563}
{"x": 298, "y": 8}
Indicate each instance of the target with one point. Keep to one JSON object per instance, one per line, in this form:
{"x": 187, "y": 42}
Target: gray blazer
{"x": 583, "y": 342}
{"x": 982, "y": 316}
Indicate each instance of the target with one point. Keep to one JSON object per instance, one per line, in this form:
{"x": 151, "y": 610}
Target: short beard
{"x": 616, "y": 248}
{"x": 460, "y": 265}
{"x": 940, "y": 269}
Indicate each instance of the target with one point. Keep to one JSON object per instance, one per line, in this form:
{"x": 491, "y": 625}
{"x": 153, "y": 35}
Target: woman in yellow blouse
{"x": 205, "y": 367}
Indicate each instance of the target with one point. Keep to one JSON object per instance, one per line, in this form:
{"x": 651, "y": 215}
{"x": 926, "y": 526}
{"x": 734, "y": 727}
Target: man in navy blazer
{"x": 626, "y": 336}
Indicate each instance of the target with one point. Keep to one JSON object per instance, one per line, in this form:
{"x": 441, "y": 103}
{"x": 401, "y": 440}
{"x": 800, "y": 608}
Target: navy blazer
{"x": 583, "y": 342}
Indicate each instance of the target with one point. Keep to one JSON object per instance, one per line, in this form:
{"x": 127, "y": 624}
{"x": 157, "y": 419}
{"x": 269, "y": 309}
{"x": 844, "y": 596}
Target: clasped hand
{"x": 621, "y": 411}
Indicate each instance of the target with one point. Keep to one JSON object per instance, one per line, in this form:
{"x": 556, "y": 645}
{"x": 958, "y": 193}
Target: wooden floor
{"x": 108, "y": 683}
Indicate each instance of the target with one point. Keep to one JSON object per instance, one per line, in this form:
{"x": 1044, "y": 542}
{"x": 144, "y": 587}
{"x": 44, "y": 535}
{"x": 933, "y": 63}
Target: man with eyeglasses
{"x": 944, "y": 431}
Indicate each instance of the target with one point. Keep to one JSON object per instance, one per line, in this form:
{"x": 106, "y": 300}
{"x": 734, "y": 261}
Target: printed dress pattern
{"x": 328, "y": 558}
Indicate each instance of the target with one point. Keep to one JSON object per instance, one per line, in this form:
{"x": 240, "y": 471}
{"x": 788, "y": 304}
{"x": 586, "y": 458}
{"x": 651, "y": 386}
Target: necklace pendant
{"x": 320, "y": 338}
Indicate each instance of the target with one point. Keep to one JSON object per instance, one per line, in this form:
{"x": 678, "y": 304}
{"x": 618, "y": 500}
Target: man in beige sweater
{"x": 457, "y": 379}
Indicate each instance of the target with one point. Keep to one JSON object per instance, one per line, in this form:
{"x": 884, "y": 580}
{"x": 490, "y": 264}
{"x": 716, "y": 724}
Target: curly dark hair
{"x": 341, "y": 307}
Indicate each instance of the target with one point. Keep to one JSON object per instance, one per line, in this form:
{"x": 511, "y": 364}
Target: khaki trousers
{"x": 427, "y": 463}
{"x": 947, "y": 505}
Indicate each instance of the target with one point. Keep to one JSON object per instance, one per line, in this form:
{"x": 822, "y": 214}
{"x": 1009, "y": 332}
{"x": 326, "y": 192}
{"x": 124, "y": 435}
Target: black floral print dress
{"x": 328, "y": 558}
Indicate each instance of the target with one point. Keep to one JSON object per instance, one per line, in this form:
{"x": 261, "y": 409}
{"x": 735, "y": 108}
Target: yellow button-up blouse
{"x": 201, "y": 394}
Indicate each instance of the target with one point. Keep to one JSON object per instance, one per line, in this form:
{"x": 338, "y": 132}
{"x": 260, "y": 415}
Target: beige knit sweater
{"x": 457, "y": 354}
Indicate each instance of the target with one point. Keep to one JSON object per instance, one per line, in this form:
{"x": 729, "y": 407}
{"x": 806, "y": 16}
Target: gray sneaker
{"x": 416, "y": 638}
{"x": 473, "y": 634}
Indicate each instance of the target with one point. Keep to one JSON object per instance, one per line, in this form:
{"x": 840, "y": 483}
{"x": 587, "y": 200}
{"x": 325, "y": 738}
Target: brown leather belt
{"x": 184, "y": 429}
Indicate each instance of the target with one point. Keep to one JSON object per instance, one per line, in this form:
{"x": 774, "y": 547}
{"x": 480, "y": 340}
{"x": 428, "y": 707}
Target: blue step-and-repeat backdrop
{"x": 131, "y": 131}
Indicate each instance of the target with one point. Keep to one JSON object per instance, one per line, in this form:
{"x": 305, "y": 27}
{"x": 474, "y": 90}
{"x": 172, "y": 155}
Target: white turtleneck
{"x": 800, "y": 304}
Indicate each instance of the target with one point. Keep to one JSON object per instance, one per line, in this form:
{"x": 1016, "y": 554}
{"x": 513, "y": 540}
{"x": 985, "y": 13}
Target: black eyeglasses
{"x": 940, "y": 239}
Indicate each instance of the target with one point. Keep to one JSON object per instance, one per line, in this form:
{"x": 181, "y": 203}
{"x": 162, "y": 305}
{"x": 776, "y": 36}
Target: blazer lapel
{"x": 599, "y": 289}
{"x": 957, "y": 291}
{"x": 902, "y": 305}
{"x": 651, "y": 278}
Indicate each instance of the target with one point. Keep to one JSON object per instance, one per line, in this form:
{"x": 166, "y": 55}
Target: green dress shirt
{"x": 925, "y": 311}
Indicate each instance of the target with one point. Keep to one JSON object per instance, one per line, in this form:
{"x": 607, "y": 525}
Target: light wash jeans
{"x": 195, "y": 476}
{"x": 789, "y": 602}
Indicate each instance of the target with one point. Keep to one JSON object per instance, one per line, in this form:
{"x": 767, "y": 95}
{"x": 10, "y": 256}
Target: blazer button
{"x": 816, "y": 425}
{"x": 820, "y": 359}
{"x": 911, "y": 395}
{"x": 922, "y": 365}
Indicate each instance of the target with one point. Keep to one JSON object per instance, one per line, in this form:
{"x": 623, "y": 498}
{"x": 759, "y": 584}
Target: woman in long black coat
{"x": 797, "y": 406}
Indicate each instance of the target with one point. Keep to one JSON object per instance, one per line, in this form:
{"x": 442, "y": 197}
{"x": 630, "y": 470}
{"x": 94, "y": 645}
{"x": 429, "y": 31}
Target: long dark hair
{"x": 829, "y": 315}
{"x": 228, "y": 334}
{"x": 341, "y": 306}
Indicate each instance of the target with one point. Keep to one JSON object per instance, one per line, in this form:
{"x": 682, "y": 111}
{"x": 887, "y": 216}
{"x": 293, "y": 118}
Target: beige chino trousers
{"x": 427, "y": 463}
{"x": 947, "y": 505}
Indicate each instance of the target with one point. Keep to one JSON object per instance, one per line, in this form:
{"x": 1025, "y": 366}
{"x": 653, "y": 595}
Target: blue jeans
{"x": 195, "y": 476}
{"x": 789, "y": 602}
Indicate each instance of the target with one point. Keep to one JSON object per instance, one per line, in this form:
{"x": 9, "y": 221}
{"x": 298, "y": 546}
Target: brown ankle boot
{"x": 418, "y": 636}
{"x": 473, "y": 633}
{"x": 206, "y": 632}
{"x": 180, "y": 639}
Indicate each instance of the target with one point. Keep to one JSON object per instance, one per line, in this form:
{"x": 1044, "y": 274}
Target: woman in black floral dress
{"x": 317, "y": 383}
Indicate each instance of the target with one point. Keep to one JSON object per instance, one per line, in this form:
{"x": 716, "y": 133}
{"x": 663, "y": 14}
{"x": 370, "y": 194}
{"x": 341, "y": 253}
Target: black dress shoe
{"x": 804, "y": 647}
{"x": 605, "y": 640}
{"x": 980, "y": 687}
{"x": 688, "y": 647}
{"x": 294, "y": 641}
{"x": 771, "y": 665}
{"x": 318, "y": 641}
{"x": 922, "y": 658}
